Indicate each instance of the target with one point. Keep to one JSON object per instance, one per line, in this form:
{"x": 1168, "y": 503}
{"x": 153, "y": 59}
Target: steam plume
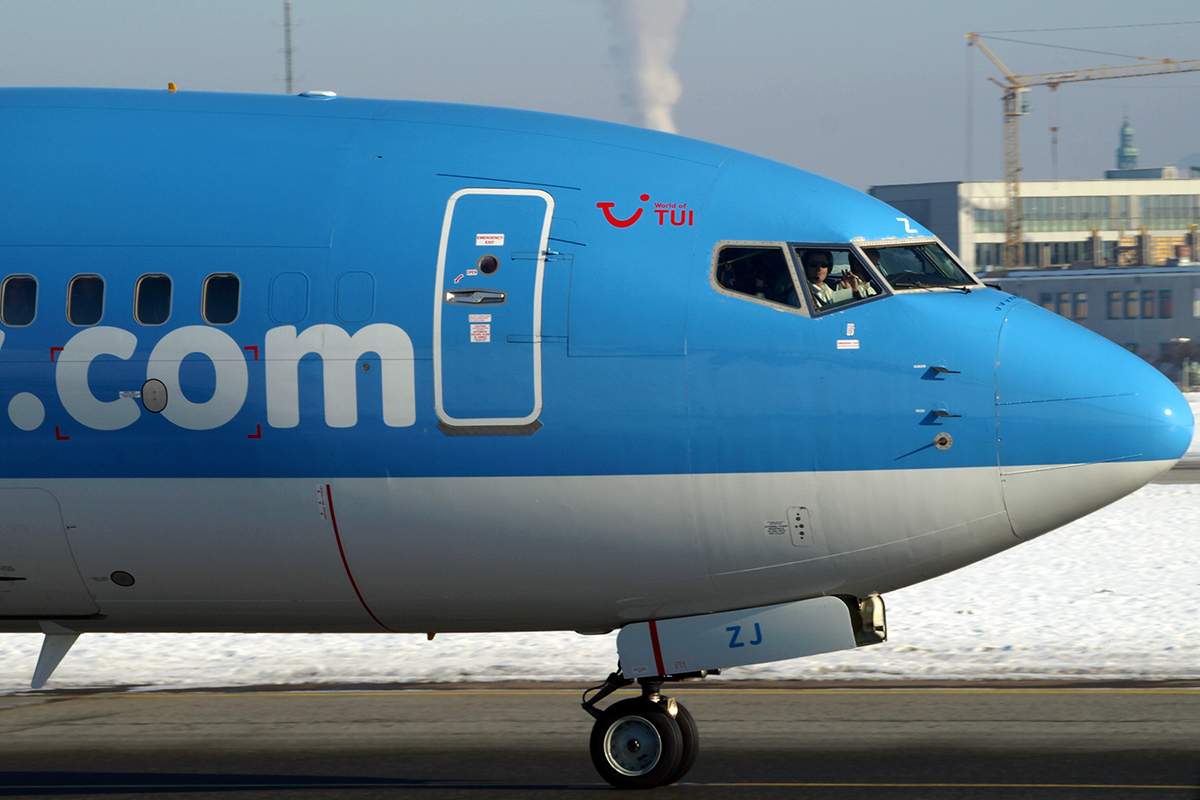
{"x": 648, "y": 35}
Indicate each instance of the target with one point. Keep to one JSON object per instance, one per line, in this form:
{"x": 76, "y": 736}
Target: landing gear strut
{"x": 642, "y": 742}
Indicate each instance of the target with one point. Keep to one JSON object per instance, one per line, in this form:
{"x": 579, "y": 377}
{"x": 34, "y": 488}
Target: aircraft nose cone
{"x": 1080, "y": 421}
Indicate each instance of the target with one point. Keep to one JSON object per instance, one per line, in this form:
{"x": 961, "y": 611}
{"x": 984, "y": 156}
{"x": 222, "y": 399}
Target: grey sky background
{"x": 865, "y": 92}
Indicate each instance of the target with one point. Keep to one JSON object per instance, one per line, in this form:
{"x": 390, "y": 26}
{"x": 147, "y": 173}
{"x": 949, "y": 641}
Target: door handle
{"x": 476, "y": 297}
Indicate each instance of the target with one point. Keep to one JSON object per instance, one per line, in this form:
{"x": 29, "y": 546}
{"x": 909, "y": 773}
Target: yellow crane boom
{"x": 1014, "y": 87}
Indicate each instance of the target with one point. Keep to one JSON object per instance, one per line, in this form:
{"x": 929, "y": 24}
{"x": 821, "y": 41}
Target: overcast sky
{"x": 865, "y": 92}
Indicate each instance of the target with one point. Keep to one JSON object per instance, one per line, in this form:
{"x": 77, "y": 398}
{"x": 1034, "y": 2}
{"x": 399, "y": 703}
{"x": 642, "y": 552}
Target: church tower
{"x": 1127, "y": 154}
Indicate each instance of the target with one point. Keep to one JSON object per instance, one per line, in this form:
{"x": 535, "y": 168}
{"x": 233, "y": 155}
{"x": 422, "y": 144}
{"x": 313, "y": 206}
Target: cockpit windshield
{"x": 918, "y": 266}
{"x": 816, "y": 278}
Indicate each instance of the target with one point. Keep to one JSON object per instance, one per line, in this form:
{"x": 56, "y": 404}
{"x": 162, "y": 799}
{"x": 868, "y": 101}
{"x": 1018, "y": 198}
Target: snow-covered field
{"x": 1113, "y": 595}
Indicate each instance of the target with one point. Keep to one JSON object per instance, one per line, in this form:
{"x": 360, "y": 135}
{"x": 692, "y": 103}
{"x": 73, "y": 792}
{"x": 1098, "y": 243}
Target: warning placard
{"x": 776, "y": 527}
{"x": 481, "y": 332}
{"x": 489, "y": 240}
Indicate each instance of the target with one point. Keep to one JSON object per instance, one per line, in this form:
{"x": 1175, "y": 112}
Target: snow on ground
{"x": 1113, "y": 595}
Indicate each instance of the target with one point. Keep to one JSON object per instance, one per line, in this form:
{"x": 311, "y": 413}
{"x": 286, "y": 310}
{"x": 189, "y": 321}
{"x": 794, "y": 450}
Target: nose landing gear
{"x": 642, "y": 742}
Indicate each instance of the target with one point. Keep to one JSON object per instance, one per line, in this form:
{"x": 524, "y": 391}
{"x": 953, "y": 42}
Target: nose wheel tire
{"x": 637, "y": 744}
{"x": 691, "y": 744}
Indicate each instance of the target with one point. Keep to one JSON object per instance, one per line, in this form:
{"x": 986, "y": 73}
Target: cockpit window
{"x": 918, "y": 266}
{"x": 761, "y": 272}
{"x": 835, "y": 276}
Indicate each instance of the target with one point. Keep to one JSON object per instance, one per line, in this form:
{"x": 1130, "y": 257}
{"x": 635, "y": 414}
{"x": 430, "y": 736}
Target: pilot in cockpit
{"x": 816, "y": 268}
{"x": 853, "y": 283}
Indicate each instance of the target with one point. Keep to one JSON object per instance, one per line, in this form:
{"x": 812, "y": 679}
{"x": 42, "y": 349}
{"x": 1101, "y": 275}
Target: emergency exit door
{"x": 487, "y": 358}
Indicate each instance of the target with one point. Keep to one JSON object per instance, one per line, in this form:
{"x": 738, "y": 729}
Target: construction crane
{"x": 1015, "y": 87}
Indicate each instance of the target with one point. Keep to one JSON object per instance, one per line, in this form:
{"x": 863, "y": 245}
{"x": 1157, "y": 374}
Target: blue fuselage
{"x": 588, "y": 429}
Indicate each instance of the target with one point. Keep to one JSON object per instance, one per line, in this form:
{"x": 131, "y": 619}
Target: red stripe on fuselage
{"x": 658, "y": 662}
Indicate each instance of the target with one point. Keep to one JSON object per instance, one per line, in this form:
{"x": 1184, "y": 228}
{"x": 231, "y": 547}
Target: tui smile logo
{"x": 621, "y": 223}
{"x": 680, "y": 214}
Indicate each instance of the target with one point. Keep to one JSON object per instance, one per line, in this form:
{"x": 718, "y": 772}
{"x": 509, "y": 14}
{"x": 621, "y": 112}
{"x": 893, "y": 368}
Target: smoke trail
{"x": 647, "y": 34}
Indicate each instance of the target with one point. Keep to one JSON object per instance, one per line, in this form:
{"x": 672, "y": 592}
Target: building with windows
{"x": 1137, "y": 221}
{"x": 1135, "y": 217}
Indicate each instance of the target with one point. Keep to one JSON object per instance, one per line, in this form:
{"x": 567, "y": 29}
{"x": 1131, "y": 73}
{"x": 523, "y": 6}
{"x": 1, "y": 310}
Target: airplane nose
{"x": 1080, "y": 422}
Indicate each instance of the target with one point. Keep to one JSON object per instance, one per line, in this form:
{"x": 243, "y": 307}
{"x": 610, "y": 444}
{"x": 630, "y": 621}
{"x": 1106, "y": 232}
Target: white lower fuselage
{"x": 448, "y": 554}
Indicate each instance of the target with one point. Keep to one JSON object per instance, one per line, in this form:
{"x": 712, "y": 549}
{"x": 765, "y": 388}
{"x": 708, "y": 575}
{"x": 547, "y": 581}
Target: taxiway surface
{"x": 763, "y": 740}
{"x": 1183, "y": 472}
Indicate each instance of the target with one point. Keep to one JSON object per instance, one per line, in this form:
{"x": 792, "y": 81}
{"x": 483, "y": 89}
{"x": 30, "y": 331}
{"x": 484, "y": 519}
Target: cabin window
{"x": 919, "y": 266}
{"x": 289, "y": 297}
{"x": 355, "y": 296}
{"x": 758, "y": 272}
{"x": 85, "y": 300}
{"x": 221, "y": 293}
{"x": 152, "y": 299}
{"x": 835, "y": 276}
{"x": 18, "y": 304}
